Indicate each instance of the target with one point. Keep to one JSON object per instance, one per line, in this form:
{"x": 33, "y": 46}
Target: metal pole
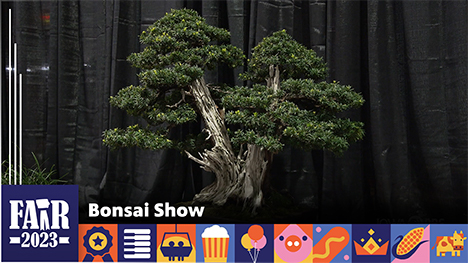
{"x": 15, "y": 119}
{"x": 9, "y": 98}
{"x": 21, "y": 130}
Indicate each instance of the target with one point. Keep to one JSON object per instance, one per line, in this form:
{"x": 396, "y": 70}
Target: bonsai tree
{"x": 287, "y": 104}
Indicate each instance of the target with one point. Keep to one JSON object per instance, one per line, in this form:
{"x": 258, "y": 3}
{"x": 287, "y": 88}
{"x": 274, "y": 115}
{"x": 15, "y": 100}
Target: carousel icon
{"x": 98, "y": 242}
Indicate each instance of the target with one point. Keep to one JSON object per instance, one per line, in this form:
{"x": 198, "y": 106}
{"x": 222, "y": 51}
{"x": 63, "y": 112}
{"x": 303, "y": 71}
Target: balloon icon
{"x": 255, "y": 232}
{"x": 260, "y": 243}
{"x": 246, "y": 242}
{"x": 254, "y": 238}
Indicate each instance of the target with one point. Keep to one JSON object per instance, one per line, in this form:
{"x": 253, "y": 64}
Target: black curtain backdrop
{"x": 408, "y": 59}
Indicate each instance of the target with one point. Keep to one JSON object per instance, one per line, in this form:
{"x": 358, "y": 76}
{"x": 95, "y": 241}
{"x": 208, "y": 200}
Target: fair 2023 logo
{"x": 40, "y": 222}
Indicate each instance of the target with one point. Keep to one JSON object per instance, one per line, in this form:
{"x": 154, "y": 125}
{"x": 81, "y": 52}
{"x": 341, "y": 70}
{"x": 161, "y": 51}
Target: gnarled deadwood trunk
{"x": 255, "y": 167}
{"x": 237, "y": 177}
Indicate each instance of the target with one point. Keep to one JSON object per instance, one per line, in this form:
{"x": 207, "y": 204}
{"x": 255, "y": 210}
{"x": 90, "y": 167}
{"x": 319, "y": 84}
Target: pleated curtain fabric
{"x": 407, "y": 58}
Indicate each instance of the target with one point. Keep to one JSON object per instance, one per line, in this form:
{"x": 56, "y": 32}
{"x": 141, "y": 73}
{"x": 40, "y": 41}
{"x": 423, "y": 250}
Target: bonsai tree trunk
{"x": 246, "y": 184}
{"x": 240, "y": 177}
{"x": 255, "y": 169}
{"x": 220, "y": 159}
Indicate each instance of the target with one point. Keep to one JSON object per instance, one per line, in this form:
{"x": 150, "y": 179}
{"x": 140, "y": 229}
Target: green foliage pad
{"x": 178, "y": 49}
{"x": 302, "y": 111}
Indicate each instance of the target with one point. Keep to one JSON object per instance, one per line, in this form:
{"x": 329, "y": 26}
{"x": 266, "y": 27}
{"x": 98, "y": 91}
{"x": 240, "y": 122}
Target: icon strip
{"x": 255, "y": 243}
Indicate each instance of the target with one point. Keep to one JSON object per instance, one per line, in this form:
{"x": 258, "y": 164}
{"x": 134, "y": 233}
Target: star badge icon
{"x": 98, "y": 241}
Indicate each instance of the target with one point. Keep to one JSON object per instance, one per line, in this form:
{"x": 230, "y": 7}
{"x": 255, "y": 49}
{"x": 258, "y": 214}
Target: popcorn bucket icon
{"x": 215, "y": 244}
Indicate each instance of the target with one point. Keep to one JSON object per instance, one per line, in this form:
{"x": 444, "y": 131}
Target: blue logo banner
{"x": 39, "y": 223}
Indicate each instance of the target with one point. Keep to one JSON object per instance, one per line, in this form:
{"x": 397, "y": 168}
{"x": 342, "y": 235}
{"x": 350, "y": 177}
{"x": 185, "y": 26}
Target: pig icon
{"x": 293, "y": 244}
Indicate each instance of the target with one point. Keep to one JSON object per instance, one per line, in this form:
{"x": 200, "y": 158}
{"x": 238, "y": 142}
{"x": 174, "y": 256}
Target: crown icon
{"x": 371, "y": 247}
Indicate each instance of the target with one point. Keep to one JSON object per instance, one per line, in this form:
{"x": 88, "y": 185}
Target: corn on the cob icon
{"x": 406, "y": 246}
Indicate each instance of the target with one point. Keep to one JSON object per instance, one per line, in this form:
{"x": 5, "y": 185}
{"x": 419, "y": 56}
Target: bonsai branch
{"x": 182, "y": 92}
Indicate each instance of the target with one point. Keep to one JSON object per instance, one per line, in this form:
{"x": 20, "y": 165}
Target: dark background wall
{"x": 408, "y": 59}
